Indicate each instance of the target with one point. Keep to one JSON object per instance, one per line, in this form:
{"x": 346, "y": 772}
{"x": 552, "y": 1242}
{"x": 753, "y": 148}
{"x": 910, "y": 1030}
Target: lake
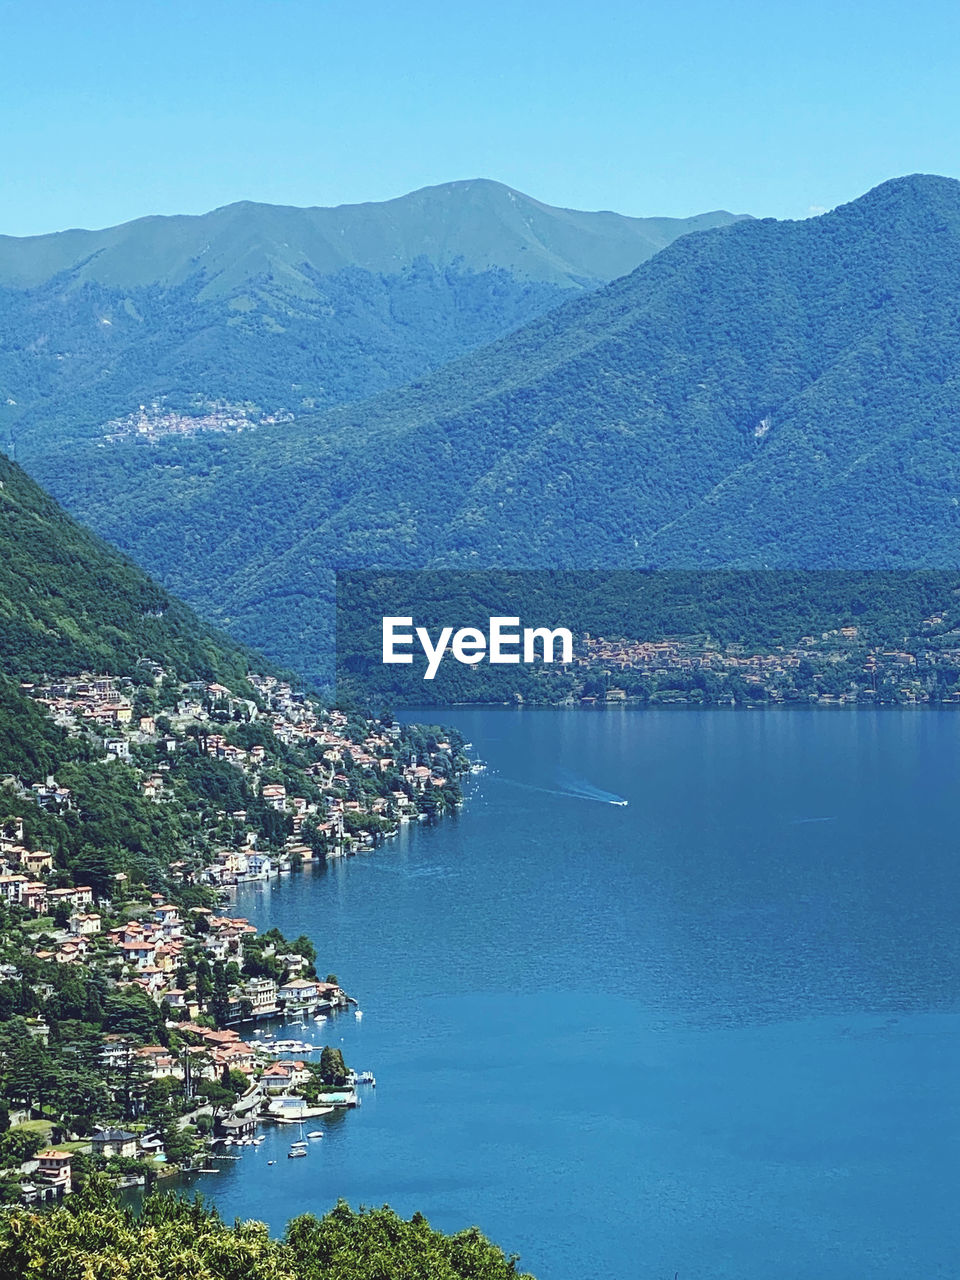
{"x": 712, "y": 1033}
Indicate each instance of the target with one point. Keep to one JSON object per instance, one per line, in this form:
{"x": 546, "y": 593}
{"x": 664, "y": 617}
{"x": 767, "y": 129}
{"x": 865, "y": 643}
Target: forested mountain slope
{"x": 272, "y": 310}
{"x": 760, "y": 394}
{"x": 69, "y": 602}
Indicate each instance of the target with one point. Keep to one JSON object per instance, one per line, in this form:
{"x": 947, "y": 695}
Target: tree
{"x": 18, "y": 1145}
{"x": 204, "y": 980}
{"x": 359, "y": 1245}
{"x": 179, "y": 1145}
{"x": 237, "y": 1081}
{"x": 215, "y": 1094}
{"x": 29, "y": 1073}
{"x": 333, "y": 1069}
{"x": 129, "y": 1079}
{"x": 91, "y": 1234}
{"x": 132, "y": 1013}
{"x": 220, "y": 1000}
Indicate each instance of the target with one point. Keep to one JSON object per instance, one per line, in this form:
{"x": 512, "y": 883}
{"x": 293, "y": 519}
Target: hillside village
{"x": 137, "y": 1012}
{"x": 157, "y": 421}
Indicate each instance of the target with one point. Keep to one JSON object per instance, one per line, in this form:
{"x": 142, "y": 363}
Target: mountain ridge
{"x": 562, "y": 246}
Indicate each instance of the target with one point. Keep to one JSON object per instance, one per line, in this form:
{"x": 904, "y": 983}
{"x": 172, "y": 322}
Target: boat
{"x": 315, "y": 1133}
{"x": 621, "y": 803}
{"x": 294, "y": 1152}
{"x": 358, "y": 1014}
{"x": 271, "y": 1162}
{"x": 301, "y": 1143}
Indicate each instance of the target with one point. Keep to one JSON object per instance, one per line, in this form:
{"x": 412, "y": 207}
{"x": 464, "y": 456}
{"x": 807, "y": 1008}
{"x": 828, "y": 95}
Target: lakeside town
{"x": 837, "y": 667}
{"x": 144, "y": 1026}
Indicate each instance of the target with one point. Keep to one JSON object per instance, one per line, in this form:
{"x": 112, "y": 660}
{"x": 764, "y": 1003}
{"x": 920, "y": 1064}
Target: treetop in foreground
{"x": 93, "y": 1235}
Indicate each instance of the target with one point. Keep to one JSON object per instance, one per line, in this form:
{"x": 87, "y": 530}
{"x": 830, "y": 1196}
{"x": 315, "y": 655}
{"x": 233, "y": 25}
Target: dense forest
{"x": 758, "y": 395}
{"x": 69, "y": 602}
{"x": 73, "y": 359}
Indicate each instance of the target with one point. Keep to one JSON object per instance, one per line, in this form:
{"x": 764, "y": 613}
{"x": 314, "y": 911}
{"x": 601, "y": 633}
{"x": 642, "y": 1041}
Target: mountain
{"x": 765, "y": 393}
{"x": 70, "y": 603}
{"x": 258, "y": 310}
{"x": 477, "y": 225}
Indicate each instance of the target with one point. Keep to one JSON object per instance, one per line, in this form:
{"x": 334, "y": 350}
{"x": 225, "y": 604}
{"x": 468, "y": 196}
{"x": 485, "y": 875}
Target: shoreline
{"x": 636, "y": 704}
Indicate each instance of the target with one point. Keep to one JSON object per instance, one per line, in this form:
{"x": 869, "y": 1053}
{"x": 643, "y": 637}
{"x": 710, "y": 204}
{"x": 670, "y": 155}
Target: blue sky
{"x": 111, "y": 110}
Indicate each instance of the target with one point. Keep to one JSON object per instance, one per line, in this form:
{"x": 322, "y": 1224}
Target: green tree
{"x": 333, "y": 1069}
{"x": 360, "y": 1245}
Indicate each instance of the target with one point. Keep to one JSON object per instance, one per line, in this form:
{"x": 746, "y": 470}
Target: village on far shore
{"x": 144, "y": 1025}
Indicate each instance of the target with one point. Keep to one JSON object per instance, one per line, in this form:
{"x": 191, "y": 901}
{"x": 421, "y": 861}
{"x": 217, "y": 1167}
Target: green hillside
{"x": 70, "y": 603}
{"x": 762, "y": 394}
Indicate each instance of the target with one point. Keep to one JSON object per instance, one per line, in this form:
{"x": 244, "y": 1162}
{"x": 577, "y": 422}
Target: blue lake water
{"x": 713, "y": 1033}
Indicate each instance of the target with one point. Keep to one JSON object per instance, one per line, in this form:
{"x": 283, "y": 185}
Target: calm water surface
{"x": 714, "y": 1033}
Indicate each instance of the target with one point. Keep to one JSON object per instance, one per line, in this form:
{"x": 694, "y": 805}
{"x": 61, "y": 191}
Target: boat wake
{"x": 575, "y": 789}
{"x": 584, "y": 790}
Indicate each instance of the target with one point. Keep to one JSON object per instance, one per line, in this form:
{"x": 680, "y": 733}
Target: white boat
{"x": 358, "y": 1014}
{"x": 315, "y": 1133}
{"x": 301, "y": 1143}
{"x": 295, "y": 1152}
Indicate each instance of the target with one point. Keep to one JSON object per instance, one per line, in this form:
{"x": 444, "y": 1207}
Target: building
{"x": 237, "y": 1126}
{"x": 84, "y": 923}
{"x": 12, "y": 888}
{"x": 262, "y": 994}
{"x": 114, "y": 1142}
{"x": 53, "y": 1169}
{"x": 37, "y": 861}
{"x": 298, "y": 991}
{"x": 275, "y": 794}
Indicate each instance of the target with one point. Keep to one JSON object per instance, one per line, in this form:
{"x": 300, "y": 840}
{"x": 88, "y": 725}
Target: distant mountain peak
{"x": 478, "y": 223}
